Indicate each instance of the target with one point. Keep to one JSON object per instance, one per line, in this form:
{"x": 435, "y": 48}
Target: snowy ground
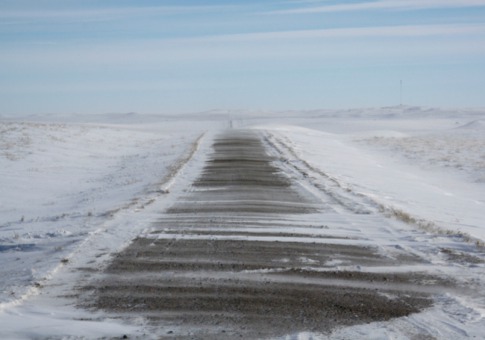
{"x": 61, "y": 181}
{"x": 75, "y": 189}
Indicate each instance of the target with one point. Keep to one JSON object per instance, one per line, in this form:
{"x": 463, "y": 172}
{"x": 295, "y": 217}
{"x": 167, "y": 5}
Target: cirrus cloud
{"x": 384, "y": 5}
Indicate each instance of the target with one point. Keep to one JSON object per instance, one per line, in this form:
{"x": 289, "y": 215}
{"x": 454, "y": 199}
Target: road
{"x": 253, "y": 249}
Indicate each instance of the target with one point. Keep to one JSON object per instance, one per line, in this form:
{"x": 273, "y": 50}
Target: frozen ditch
{"x": 248, "y": 251}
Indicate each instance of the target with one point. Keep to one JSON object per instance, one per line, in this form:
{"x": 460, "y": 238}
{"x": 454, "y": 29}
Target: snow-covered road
{"x": 279, "y": 231}
{"x": 250, "y": 252}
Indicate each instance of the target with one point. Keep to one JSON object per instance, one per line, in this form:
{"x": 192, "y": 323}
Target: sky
{"x": 147, "y": 56}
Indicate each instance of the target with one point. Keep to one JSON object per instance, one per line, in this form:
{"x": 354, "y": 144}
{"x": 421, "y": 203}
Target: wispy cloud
{"x": 384, "y": 5}
{"x": 96, "y": 14}
{"x": 355, "y": 32}
{"x": 336, "y": 44}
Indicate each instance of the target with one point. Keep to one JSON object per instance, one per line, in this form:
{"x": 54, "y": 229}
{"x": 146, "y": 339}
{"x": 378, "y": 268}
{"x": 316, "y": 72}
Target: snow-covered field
{"x": 71, "y": 184}
{"x": 427, "y": 165}
{"x": 61, "y": 181}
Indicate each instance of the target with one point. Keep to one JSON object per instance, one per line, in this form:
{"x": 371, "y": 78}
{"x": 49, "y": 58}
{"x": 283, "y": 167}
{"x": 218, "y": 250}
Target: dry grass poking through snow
{"x": 459, "y": 150}
{"x": 428, "y": 226}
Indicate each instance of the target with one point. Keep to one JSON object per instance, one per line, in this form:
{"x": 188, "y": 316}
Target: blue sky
{"x": 95, "y": 56}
